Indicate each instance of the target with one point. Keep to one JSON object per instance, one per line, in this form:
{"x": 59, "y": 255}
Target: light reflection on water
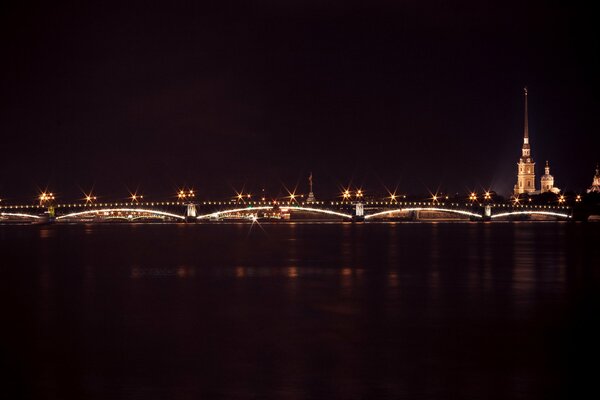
{"x": 523, "y": 278}
{"x": 295, "y": 311}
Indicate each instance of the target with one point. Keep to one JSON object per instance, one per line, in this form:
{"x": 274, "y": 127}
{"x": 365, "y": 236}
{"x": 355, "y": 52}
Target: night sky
{"x": 259, "y": 93}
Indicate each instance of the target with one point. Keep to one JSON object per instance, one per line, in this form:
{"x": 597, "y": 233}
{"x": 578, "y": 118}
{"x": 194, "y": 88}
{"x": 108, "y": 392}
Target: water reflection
{"x": 347, "y": 275}
{"x": 240, "y": 272}
{"x": 524, "y": 255}
{"x": 181, "y": 271}
{"x": 47, "y": 232}
{"x": 308, "y": 311}
{"x": 292, "y": 272}
{"x": 393, "y": 279}
{"x": 434, "y": 261}
{"x": 487, "y": 257}
{"x": 472, "y": 262}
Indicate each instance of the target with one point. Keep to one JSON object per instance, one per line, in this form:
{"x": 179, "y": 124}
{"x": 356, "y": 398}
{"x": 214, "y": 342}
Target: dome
{"x": 547, "y": 177}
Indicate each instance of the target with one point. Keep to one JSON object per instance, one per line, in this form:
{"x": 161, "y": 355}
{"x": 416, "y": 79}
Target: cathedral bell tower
{"x": 525, "y": 166}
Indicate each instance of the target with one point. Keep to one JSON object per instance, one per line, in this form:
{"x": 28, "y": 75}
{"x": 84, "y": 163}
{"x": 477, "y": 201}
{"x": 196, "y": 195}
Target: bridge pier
{"x": 487, "y": 213}
{"x": 359, "y": 213}
{"x": 191, "y": 213}
{"x": 51, "y": 218}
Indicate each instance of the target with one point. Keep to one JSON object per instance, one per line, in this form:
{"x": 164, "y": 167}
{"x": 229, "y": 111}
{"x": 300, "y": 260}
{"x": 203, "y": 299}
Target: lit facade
{"x": 525, "y": 166}
{"x": 595, "y": 188}
{"x": 547, "y": 181}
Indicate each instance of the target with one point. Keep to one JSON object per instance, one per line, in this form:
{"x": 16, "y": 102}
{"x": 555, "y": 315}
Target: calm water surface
{"x": 299, "y": 311}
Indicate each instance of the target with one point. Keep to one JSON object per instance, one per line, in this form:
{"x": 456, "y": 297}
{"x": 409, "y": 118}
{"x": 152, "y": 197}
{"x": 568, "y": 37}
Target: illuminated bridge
{"x": 212, "y": 211}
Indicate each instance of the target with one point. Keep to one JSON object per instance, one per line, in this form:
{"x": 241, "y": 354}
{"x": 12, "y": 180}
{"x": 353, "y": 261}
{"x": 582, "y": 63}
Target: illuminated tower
{"x": 547, "y": 181}
{"x": 595, "y": 188}
{"x": 526, "y": 166}
{"x": 311, "y": 195}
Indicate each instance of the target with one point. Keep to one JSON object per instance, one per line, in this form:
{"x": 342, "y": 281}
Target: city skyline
{"x": 211, "y": 98}
{"x": 274, "y": 191}
{"x": 526, "y": 181}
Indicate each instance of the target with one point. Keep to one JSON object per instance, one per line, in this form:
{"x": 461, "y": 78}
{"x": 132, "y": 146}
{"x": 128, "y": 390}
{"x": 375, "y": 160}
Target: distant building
{"x": 547, "y": 181}
{"x": 595, "y": 188}
{"x": 311, "y": 196}
{"x": 526, "y": 166}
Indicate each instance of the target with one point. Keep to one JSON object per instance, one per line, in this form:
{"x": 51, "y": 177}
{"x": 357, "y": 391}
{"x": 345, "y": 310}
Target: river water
{"x": 299, "y": 310}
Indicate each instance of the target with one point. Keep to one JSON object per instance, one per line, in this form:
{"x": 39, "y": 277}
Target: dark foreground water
{"x": 300, "y": 311}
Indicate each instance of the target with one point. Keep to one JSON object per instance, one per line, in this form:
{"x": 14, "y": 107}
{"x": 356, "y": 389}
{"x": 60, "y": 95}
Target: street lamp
{"x": 45, "y": 197}
{"x": 182, "y": 194}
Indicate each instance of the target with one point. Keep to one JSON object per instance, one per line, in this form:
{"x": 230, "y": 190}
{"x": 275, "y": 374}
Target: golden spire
{"x": 526, "y": 127}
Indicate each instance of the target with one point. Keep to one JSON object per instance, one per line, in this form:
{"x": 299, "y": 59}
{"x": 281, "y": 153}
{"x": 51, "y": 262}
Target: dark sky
{"x": 426, "y": 94}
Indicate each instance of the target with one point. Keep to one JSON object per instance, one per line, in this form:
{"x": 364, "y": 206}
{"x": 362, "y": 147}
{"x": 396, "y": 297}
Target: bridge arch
{"x": 317, "y": 210}
{"x": 19, "y": 215}
{"x": 398, "y": 210}
{"x": 548, "y": 213}
{"x": 217, "y": 214}
{"x": 129, "y": 210}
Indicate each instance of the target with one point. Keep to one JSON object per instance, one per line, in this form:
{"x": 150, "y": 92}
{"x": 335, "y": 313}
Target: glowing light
{"x": 561, "y": 199}
{"x": 487, "y": 195}
{"x": 292, "y": 195}
{"x": 473, "y": 196}
{"x": 45, "y": 197}
{"x": 136, "y": 197}
{"x": 182, "y": 194}
{"x": 89, "y": 198}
